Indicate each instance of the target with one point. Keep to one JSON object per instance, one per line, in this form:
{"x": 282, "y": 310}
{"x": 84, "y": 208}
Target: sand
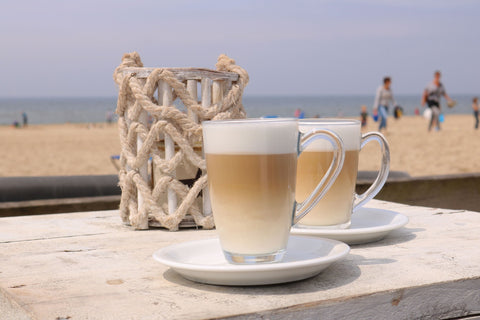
{"x": 81, "y": 149}
{"x": 66, "y": 149}
{"x": 452, "y": 150}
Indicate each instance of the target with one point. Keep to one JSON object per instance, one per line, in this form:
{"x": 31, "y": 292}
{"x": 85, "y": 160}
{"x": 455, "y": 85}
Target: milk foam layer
{"x": 348, "y": 130}
{"x": 256, "y": 136}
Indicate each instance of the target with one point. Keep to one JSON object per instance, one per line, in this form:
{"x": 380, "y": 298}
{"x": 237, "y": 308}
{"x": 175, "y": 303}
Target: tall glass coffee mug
{"x": 336, "y": 207}
{"x": 252, "y": 166}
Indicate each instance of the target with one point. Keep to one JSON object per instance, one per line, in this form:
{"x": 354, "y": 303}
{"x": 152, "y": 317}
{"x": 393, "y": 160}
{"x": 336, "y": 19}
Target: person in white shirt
{"x": 383, "y": 98}
{"x": 431, "y": 96}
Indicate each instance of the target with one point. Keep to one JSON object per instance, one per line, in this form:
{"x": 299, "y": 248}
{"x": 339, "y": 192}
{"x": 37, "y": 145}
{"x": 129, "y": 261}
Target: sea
{"x": 56, "y": 110}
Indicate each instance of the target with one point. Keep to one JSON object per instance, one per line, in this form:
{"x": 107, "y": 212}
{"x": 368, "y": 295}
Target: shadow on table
{"x": 362, "y": 261}
{"x": 338, "y": 274}
{"x": 399, "y": 236}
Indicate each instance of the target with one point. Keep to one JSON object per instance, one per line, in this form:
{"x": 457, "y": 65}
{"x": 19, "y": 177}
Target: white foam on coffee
{"x": 349, "y": 131}
{"x": 250, "y": 137}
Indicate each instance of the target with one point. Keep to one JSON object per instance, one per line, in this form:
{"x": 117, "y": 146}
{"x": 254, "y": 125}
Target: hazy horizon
{"x": 246, "y": 95}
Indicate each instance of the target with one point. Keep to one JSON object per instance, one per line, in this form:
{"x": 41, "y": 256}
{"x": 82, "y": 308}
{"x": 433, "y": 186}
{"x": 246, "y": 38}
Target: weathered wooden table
{"x": 90, "y": 266}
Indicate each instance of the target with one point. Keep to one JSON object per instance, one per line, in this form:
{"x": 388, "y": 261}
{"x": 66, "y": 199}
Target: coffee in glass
{"x": 252, "y": 166}
{"x": 335, "y": 208}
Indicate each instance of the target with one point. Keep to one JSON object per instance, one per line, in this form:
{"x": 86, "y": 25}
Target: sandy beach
{"x": 82, "y": 149}
{"x": 58, "y": 149}
{"x": 452, "y": 150}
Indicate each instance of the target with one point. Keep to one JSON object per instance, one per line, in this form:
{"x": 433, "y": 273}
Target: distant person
{"x": 475, "y": 108}
{"x": 364, "y": 115}
{"x": 431, "y": 96}
{"x": 297, "y": 112}
{"x": 417, "y": 111}
{"x": 383, "y": 98}
{"x": 109, "y": 117}
{"x": 397, "y": 112}
{"x": 25, "y": 119}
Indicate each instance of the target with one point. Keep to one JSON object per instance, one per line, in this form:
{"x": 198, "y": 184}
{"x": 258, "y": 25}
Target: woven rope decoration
{"x": 159, "y": 140}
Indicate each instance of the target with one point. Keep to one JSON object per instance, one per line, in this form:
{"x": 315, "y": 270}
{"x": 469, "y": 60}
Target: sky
{"x": 297, "y": 47}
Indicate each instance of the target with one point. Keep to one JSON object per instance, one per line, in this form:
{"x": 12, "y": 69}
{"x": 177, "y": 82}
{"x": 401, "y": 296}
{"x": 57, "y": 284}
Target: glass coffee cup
{"x": 252, "y": 167}
{"x": 334, "y": 210}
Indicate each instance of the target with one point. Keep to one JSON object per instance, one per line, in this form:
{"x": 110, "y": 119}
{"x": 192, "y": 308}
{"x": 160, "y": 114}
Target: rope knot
{"x": 131, "y": 60}
{"x": 224, "y": 63}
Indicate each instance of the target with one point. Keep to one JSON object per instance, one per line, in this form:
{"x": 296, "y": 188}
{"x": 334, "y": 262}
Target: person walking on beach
{"x": 383, "y": 98}
{"x": 364, "y": 116}
{"x": 475, "y": 111}
{"x": 431, "y": 96}
{"x": 25, "y": 119}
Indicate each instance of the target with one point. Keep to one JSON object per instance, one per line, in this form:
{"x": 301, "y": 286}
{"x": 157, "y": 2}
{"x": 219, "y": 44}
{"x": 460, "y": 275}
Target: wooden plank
{"x": 60, "y": 226}
{"x": 143, "y": 171}
{"x": 165, "y": 98}
{"x": 63, "y": 205}
{"x": 456, "y": 191}
{"x": 455, "y": 300}
{"x": 217, "y": 91}
{"x": 183, "y": 74}
{"x": 206, "y": 103}
{"x": 88, "y": 265}
{"x": 192, "y": 90}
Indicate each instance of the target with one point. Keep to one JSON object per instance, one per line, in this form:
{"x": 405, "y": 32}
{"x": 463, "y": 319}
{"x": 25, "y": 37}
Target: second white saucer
{"x": 368, "y": 225}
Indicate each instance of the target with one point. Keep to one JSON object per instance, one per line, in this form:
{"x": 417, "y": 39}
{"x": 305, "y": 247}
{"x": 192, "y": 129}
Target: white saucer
{"x": 368, "y": 225}
{"x": 203, "y": 261}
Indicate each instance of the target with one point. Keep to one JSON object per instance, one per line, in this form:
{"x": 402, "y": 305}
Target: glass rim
{"x": 329, "y": 121}
{"x": 249, "y": 121}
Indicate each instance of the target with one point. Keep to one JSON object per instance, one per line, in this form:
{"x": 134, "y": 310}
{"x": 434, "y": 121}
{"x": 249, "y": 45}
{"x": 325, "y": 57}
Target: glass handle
{"x": 302, "y": 208}
{"x": 374, "y": 189}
